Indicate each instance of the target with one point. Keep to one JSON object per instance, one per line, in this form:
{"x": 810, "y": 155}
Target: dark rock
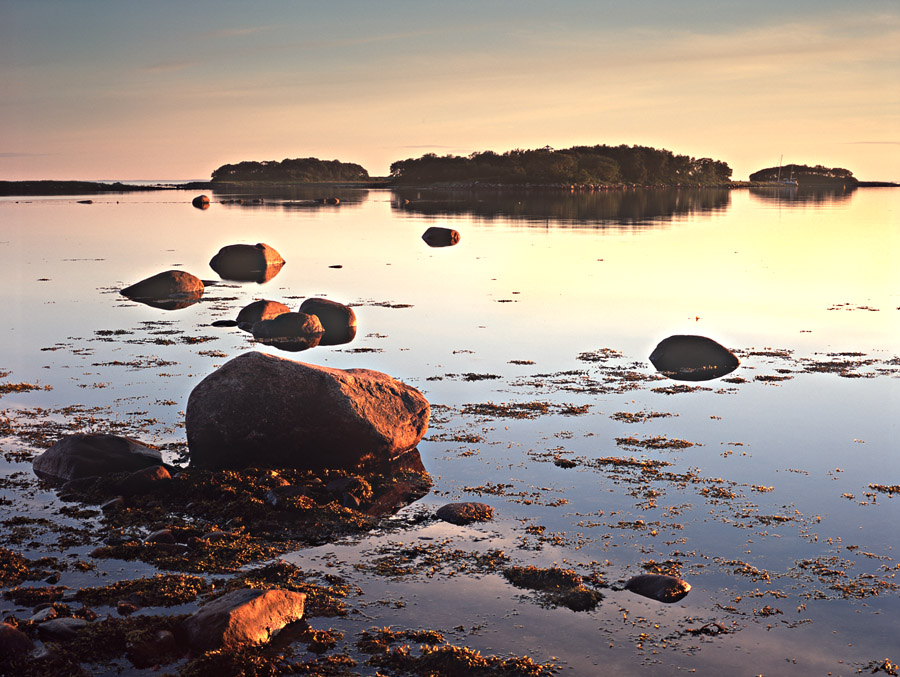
{"x": 224, "y": 323}
{"x": 126, "y": 608}
{"x": 693, "y": 358}
{"x": 113, "y": 504}
{"x": 280, "y": 497}
{"x": 243, "y": 617}
{"x": 660, "y": 587}
{"x": 201, "y": 202}
{"x": 89, "y": 454}
{"x": 266, "y": 411}
{"x": 338, "y": 320}
{"x": 143, "y": 481}
{"x": 171, "y": 290}
{"x": 13, "y": 643}
{"x": 85, "y": 202}
{"x": 45, "y": 614}
{"x": 60, "y": 629}
{"x": 161, "y": 536}
{"x": 440, "y": 237}
{"x": 158, "y": 649}
{"x": 258, "y": 311}
{"x": 247, "y": 263}
{"x": 79, "y": 485}
{"x": 289, "y": 331}
{"x": 216, "y": 536}
{"x": 465, "y": 513}
{"x": 119, "y": 538}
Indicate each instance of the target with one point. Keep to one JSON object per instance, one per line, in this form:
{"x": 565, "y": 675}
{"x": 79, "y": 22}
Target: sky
{"x": 120, "y": 89}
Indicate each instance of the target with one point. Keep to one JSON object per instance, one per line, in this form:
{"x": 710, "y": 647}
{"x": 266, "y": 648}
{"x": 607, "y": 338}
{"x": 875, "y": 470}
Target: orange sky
{"x": 104, "y": 90}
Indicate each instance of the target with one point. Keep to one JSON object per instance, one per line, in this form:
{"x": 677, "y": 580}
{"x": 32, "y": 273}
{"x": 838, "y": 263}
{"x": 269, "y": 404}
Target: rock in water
{"x": 465, "y": 513}
{"x": 440, "y": 237}
{"x": 261, "y": 310}
{"x": 201, "y": 202}
{"x": 261, "y": 410}
{"x": 289, "y": 331}
{"x": 243, "y": 617}
{"x": 338, "y": 320}
{"x": 693, "y": 358}
{"x": 247, "y": 263}
{"x": 13, "y": 643}
{"x": 93, "y": 454}
{"x": 171, "y": 290}
{"x": 660, "y": 587}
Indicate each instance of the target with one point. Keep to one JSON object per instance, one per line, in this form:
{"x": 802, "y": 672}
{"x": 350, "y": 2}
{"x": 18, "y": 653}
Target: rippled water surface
{"x": 777, "y": 496}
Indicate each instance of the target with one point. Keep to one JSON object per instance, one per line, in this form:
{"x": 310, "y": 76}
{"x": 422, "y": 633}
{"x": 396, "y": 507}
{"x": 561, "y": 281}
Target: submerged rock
{"x": 662, "y": 588}
{"x": 93, "y": 454}
{"x": 267, "y": 411}
{"x": 693, "y": 358}
{"x": 440, "y": 237}
{"x": 170, "y": 290}
{"x": 243, "y": 617}
{"x": 465, "y": 513}
{"x": 338, "y": 320}
{"x": 247, "y": 263}
{"x": 289, "y": 331}
{"x": 260, "y": 310}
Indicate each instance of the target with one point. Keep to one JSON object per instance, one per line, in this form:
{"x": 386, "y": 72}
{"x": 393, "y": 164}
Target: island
{"x": 806, "y": 176}
{"x": 290, "y": 171}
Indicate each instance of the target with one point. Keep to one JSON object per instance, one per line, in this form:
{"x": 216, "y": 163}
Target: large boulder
{"x": 170, "y": 290}
{"x": 662, "y": 588}
{"x": 289, "y": 331}
{"x": 247, "y": 262}
{"x": 93, "y": 454}
{"x": 243, "y": 617}
{"x": 338, "y": 320}
{"x": 13, "y": 643}
{"x": 261, "y": 410}
{"x": 260, "y": 310}
{"x": 693, "y": 358}
{"x": 436, "y": 236}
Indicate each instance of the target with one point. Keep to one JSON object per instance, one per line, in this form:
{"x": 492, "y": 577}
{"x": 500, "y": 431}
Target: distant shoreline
{"x": 52, "y": 187}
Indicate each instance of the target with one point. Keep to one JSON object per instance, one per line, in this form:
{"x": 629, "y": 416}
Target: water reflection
{"x": 621, "y": 207}
{"x": 813, "y": 194}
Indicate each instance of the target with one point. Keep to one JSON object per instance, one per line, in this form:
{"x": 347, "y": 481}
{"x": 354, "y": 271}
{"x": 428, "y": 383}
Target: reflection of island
{"x": 813, "y": 194}
{"x": 605, "y": 207}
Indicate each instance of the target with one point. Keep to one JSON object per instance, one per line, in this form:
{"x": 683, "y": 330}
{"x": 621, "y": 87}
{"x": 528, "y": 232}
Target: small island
{"x": 804, "y": 175}
{"x": 290, "y": 171}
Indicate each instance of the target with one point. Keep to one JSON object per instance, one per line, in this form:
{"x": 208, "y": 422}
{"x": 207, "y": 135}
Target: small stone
{"x": 662, "y": 588}
{"x": 60, "y": 629}
{"x": 161, "y": 536}
{"x": 126, "y": 608}
{"x": 465, "y": 513}
{"x": 440, "y": 237}
{"x": 113, "y": 504}
{"x": 44, "y": 614}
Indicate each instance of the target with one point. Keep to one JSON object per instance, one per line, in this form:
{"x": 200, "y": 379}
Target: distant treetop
{"x": 806, "y": 175}
{"x": 299, "y": 170}
{"x": 578, "y": 165}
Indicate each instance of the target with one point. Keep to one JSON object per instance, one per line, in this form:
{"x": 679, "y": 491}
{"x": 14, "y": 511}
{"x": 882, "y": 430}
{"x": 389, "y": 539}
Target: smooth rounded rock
{"x": 247, "y": 262}
{"x": 693, "y": 358}
{"x": 201, "y": 202}
{"x": 260, "y": 310}
{"x": 93, "y": 454}
{"x": 60, "y": 629}
{"x": 266, "y": 411}
{"x": 13, "y": 643}
{"x": 436, "y": 236}
{"x": 662, "y": 588}
{"x": 465, "y": 513}
{"x": 169, "y": 290}
{"x": 143, "y": 481}
{"x": 289, "y": 331}
{"x": 338, "y": 320}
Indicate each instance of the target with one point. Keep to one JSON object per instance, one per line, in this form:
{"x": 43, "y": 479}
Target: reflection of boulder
{"x": 170, "y": 290}
{"x": 267, "y": 411}
{"x": 440, "y": 237}
{"x": 693, "y": 358}
{"x": 289, "y": 331}
{"x": 247, "y": 263}
{"x": 338, "y": 320}
{"x": 261, "y": 310}
{"x": 201, "y": 202}
{"x": 660, "y": 587}
{"x": 93, "y": 454}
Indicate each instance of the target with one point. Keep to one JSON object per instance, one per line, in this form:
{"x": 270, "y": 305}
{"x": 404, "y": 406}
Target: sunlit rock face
{"x": 289, "y": 331}
{"x": 260, "y": 310}
{"x": 171, "y": 290}
{"x": 201, "y": 202}
{"x": 93, "y": 454}
{"x": 693, "y": 358}
{"x": 247, "y": 263}
{"x": 265, "y": 411}
{"x": 662, "y": 588}
{"x": 338, "y": 320}
{"x": 440, "y": 237}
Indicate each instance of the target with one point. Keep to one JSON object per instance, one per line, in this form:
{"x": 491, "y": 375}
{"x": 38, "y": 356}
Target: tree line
{"x": 299, "y": 170}
{"x": 583, "y": 165}
{"x": 807, "y": 175}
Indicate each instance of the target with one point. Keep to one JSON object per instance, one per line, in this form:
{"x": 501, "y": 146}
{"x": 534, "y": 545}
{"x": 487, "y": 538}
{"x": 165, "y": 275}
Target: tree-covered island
{"x": 580, "y": 165}
{"x": 298, "y": 170}
{"x": 805, "y": 175}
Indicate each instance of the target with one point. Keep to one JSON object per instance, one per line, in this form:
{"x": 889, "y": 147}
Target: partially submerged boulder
{"x": 201, "y": 202}
{"x": 693, "y": 358}
{"x": 289, "y": 331}
{"x": 243, "y": 617}
{"x": 662, "y": 588}
{"x": 266, "y": 411}
{"x": 465, "y": 513}
{"x": 170, "y": 290}
{"x": 247, "y": 262}
{"x": 93, "y": 454}
{"x": 338, "y": 320}
{"x": 436, "y": 236}
{"x": 260, "y": 310}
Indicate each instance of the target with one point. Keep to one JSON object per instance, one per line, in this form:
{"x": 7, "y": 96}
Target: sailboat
{"x": 787, "y": 183}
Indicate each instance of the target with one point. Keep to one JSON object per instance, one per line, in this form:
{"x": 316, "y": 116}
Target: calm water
{"x": 769, "y": 513}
